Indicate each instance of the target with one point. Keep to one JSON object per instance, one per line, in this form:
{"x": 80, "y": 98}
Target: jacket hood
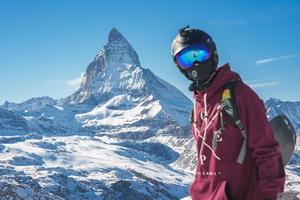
{"x": 223, "y": 75}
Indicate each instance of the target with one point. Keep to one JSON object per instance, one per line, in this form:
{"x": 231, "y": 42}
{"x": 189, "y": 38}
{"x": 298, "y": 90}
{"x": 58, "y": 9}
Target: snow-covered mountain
{"x": 124, "y": 134}
{"x": 116, "y": 137}
{"x": 116, "y": 75}
{"x": 11, "y": 122}
{"x": 290, "y": 109}
{"x": 30, "y": 105}
{"x": 116, "y": 95}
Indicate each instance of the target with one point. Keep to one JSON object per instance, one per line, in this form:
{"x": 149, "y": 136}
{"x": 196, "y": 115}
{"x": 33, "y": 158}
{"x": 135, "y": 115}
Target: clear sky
{"x": 46, "y": 45}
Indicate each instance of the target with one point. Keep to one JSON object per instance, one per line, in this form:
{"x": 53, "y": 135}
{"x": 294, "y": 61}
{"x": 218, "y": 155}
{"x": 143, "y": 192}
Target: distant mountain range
{"x": 290, "y": 109}
{"x": 124, "y": 134}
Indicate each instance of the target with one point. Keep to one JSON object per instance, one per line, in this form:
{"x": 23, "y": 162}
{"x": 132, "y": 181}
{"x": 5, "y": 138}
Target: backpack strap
{"x": 228, "y": 106}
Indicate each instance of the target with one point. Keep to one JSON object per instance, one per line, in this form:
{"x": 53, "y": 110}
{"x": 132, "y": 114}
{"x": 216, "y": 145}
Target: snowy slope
{"x": 84, "y": 167}
{"x": 293, "y": 174}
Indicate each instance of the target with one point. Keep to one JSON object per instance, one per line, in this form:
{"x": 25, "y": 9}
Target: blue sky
{"x": 44, "y": 45}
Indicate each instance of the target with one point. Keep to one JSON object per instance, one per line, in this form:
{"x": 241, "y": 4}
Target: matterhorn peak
{"x": 115, "y": 35}
{"x": 116, "y": 77}
{"x": 115, "y": 69}
{"x": 117, "y": 51}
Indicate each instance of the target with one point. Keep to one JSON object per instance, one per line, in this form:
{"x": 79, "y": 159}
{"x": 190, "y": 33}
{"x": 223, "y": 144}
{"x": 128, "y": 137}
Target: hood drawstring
{"x": 205, "y": 118}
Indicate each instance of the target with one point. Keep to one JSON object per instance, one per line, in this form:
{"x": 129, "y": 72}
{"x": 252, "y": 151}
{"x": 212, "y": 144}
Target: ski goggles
{"x": 187, "y": 56}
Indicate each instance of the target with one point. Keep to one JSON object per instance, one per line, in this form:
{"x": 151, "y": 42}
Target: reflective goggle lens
{"x": 186, "y": 57}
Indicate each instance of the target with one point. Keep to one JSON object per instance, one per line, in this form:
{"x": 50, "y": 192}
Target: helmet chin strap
{"x": 199, "y": 85}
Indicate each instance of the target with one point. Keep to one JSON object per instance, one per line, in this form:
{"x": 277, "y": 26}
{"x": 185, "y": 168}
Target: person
{"x": 240, "y": 163}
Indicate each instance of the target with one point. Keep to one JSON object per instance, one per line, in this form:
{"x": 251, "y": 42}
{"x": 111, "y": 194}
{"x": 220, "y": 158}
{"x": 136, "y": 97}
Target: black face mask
{"x": 200, "y": 71}
{"x": 200, "y": 74}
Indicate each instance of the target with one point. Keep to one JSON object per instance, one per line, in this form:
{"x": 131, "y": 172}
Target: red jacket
{"x": 218, "y": 175}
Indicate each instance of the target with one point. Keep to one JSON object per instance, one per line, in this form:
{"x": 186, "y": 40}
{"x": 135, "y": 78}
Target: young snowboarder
{"x": 237, "y": 155}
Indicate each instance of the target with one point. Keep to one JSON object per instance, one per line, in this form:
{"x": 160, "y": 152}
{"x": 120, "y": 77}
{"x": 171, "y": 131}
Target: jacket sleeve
{"x": 261, "y": 143}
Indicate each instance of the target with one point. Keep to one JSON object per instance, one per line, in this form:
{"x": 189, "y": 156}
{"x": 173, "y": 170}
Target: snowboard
{"x": 285, "y": 135}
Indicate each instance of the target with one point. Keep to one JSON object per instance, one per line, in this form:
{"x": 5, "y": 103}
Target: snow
{"x": 120, "y": 110}
{"x": 186, "y": 198}
{"x": 116, "y": 77}
{"x": 30, "y": 105}
{"x": 90, "y": 159}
